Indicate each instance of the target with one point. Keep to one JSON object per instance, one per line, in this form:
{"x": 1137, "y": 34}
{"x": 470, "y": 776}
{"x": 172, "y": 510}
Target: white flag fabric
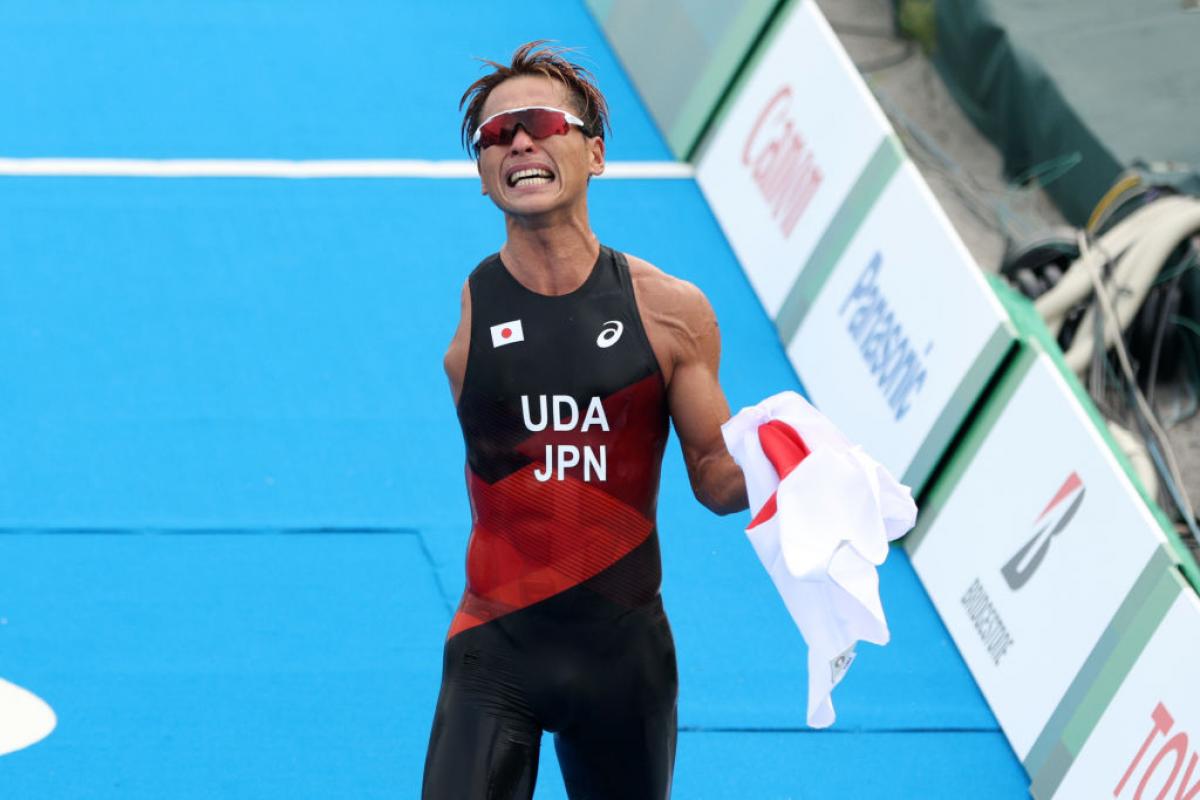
{"x": 820, "y": 530}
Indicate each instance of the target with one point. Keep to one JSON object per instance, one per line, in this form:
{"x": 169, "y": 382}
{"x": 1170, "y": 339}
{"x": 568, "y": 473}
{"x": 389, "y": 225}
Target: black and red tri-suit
{"x": 561, "y": 628}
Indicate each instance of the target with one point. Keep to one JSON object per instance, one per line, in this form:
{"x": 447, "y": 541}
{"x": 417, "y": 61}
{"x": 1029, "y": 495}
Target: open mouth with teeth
{"x": 535, "y": 176}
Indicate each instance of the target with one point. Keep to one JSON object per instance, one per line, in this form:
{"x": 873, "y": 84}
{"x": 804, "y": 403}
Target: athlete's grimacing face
{"x": 565, "y": 162}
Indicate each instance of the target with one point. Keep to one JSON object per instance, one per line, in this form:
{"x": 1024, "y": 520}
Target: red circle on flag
{"x": 507, "y": 332}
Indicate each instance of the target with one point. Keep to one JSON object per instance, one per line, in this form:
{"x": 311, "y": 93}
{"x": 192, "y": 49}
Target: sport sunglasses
{"x": 538, "y": 121}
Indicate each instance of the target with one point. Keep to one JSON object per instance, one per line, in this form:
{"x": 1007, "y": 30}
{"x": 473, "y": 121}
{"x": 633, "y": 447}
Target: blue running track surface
{"x": 232, "y": 508}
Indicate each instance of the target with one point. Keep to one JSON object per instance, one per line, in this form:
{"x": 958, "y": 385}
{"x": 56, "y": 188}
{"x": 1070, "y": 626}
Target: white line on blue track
{"x": 316, "y": 168}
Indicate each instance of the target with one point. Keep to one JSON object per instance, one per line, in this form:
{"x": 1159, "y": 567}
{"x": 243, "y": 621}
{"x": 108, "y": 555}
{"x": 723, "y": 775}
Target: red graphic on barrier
{"x": 1176, "y": 750}
{"x": 781, "y": 162}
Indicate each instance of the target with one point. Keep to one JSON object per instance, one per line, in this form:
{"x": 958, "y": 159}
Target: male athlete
{"x": 566, "y": 364}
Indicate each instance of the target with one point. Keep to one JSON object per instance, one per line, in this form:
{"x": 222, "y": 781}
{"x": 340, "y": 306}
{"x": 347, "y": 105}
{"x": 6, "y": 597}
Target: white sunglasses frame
{"x": 571, "y": 118}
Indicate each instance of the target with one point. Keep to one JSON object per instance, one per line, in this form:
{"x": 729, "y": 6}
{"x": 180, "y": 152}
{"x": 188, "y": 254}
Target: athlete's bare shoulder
{"x": 677, "y": 316}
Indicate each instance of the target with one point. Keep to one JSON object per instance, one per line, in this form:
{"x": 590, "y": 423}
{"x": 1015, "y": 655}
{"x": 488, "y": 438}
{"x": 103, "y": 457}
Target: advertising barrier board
{"x": 885, "y": 317}
{"x": 1033, "y": 541}
{"x": 1131, "y": 728}
{"x": 896, "y": 339}
{"x": 789, "y": 149}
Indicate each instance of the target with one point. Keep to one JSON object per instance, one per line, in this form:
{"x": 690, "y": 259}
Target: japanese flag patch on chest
{"x": 507, "y": 333}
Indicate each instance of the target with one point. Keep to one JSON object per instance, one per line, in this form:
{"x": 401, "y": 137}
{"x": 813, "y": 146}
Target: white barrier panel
{"x": 903, "y": 335}
{"x": 817, "y": 199}
{"x": 1144, "y": 741}
{"x": 1029, "y": 545}
{"x": 788, "y": 150}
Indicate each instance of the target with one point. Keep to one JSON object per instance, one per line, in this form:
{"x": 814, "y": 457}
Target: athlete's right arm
{"x": 455, "y": 361}
{"x": 683, "y": 333}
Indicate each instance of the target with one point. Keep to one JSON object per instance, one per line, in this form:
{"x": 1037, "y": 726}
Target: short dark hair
{"x": 541, "y": 59}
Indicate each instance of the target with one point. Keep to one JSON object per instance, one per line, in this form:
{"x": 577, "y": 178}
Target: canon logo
{"x": 781, "y": 164}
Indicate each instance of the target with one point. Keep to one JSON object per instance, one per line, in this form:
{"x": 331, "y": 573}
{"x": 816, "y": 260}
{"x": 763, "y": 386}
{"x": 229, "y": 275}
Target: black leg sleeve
{"x": 481, "y": 747}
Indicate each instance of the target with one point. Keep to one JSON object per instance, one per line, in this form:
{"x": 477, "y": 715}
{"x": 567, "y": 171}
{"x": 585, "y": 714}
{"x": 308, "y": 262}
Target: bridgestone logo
{"x": 1050, "y": 523}
{"x": 991, "y": 629}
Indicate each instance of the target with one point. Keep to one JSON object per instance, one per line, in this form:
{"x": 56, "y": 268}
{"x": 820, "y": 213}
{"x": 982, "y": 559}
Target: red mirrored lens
{"x": 537, "y": 122}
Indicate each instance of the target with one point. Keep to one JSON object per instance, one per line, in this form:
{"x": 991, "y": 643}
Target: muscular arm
{"x": 684, "y": 334}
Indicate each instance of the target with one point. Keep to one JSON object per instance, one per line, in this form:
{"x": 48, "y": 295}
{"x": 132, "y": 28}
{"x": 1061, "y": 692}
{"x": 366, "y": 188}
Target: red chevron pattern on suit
{"x": 565, "y": 432}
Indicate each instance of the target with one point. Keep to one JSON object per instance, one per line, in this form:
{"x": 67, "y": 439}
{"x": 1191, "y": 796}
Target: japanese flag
{"x": 507, "y": 333}
{"x": 824, "y": 514}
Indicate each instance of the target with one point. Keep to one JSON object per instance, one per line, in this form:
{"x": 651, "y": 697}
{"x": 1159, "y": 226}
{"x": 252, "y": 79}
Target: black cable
{"x": 1165, "y": 312}
{"x": 1156, "y": 348}
{"x": 1097, "y": 386}
{"x": 1193, "y": 367}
